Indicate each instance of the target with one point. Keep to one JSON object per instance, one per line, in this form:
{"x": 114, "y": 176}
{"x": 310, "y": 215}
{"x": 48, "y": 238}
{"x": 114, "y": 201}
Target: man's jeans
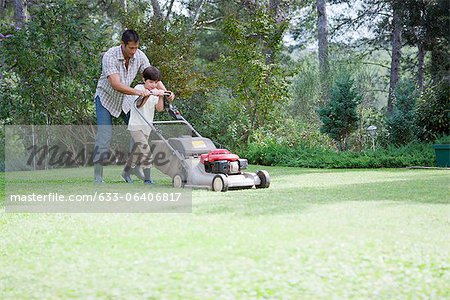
{"x": 104, "y": 131}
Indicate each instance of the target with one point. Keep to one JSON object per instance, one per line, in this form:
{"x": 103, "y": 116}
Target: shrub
{"x": 272, "y": 153}
{"x": 433, "y": 111}
{"x": 339, "y": 116}
{"x": 402, "y": 123}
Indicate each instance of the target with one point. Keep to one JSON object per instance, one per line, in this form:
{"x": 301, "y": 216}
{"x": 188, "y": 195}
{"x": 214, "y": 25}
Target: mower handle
{"x": 140, "y": 100}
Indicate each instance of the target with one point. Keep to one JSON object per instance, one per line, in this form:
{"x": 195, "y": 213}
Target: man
{"x": 120, "y": 65}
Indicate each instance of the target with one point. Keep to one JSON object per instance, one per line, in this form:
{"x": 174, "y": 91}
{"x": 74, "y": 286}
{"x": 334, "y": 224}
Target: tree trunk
{"x": 157, "y": 22}
{"x": 157, "y": 10}
{"x": 123, "y": 4}
{"x": 275, "y": 10}
{"x": 196, "y": 14}
{"x": 20, "y": 12}
{"x": 2, "y": 7}
{"x": 421, "y": 67}
{"x": 322, "y": 25}
{"x": 169, "y": 9}
{"x": 396, "y": 56}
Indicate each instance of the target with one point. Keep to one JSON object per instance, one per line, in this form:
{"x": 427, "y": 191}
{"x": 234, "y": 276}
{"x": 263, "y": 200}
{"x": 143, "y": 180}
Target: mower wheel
{"x": 220, "y": 183}
{"x": 265, "y": 179}
{"x": 178, "y": 181}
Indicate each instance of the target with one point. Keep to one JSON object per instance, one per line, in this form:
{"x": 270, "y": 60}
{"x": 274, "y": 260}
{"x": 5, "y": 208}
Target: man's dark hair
{"x": 152, "y": 73}
{"x": 130, "y": 35}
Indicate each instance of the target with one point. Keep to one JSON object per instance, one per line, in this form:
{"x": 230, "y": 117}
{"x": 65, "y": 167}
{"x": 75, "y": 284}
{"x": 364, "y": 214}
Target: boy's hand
{"x": 171, "y": 97}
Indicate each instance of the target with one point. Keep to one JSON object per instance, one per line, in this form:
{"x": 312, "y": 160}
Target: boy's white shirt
{"x": 136, "y": 122}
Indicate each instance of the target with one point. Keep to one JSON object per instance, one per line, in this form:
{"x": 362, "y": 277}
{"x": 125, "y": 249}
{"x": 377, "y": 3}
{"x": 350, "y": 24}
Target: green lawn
{"x": 314, "y": 234}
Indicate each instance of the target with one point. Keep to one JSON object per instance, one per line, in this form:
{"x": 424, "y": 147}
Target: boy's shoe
{"x": 126, "y": 176}
{"x": 147, "y": 178}
{"x": 137, "y": 170}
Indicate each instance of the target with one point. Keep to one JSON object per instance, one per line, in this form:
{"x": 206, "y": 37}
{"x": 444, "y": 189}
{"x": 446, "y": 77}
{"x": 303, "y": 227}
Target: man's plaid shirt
{"x": 113, "y": 62}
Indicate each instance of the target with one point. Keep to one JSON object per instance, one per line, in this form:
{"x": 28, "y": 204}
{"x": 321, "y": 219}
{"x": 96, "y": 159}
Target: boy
{"x": 138, "y": 128}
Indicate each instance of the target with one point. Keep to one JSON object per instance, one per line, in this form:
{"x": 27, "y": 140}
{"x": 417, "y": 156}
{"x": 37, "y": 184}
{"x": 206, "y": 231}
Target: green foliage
{"x": 360, "y": 139}
{"x": 339, "y": 117}
{"x": 170, "y": 46}
{"x": 273, "y": 153}
{"x": 291, "y": 132}
{"x": 402, "y": 123}
{"x": 443, "y": 140}
{"x": 54, "y": 64}
{"x": 305, "y": 91}
{"x": 433, "y": 112}
{"x": 218, "y": 119}
{"x": 2, "y": 148}
{"x": 249, "y": 70}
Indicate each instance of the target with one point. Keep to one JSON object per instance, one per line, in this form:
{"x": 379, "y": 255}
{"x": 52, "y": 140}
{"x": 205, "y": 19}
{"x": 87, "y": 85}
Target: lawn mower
{"x": 194, "y": 161}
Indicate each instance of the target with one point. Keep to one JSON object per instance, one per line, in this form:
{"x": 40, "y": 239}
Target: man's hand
{"x": 157, "y": 92}
{"x": 144, "y": 92}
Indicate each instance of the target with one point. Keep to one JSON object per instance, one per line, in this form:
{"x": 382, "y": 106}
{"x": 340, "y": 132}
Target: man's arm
{"x": 114, "y": 80}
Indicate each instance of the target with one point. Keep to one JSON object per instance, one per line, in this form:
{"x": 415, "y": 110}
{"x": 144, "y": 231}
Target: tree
{"x": 426, "y": 27}
{"x": 257, "y": 83}
{"x": 168, "y": 38}
{"x": 54, "y": 63}
{"x": 383, "y": 19}
{"x": 420, "y": 23}
{"x": 438, "y": 29}
{"x": 339, "y": 116}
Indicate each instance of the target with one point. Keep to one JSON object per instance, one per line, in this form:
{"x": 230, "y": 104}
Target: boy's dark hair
{"x": 130, "y": 35}
{"x": 151, "y": 73}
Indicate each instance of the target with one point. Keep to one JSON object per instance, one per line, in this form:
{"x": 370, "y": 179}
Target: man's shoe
{"x": 149, "y": 182}
{"x": 137, "y": 170}
{"x": 126, "y": 176}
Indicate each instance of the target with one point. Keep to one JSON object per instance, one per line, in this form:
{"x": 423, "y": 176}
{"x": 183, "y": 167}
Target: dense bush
{"x": 433, "y": 112}
{"x": 339, "y": 116}
{"x": 402, "y": 123}
{"x": 274, "y": 153}
{"x": 361, "y": 139}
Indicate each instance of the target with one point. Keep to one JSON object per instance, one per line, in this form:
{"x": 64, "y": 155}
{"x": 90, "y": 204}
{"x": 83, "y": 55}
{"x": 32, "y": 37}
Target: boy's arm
{"x": 160, "y": 104}
{"x": 161, "y": 86}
